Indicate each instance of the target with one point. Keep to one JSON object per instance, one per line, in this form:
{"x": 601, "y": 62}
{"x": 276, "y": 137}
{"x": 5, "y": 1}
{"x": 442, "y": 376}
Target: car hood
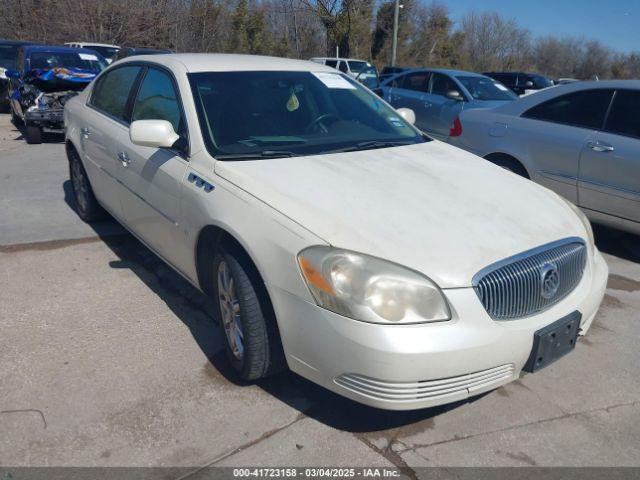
{"x": 431, "y": 207}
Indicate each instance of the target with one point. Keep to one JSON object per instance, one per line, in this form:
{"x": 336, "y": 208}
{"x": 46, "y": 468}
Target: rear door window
{"x": 415, "y": 81}
{"x": 331, "y": 63}
{"x": 111, "y": 93}
{"x": 343, "y": 67}
{"x": 585, "y": 109}
{"x": 624, "y": 118}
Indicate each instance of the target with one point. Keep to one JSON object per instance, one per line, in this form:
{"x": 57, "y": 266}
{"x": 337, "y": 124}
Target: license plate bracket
{"x": 553, "y": 342}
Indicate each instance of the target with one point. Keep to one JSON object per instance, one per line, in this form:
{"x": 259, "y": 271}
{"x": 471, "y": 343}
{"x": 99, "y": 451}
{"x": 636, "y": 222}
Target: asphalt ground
{"x": 109, "y": 358}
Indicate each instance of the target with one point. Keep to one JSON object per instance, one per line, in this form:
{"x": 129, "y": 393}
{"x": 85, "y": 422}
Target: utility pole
{"x": 394, "y": 45}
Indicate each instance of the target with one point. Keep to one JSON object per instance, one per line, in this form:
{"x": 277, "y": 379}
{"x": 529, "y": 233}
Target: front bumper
{"x": 50, "y": 120}
{"x": 404, "y": 367}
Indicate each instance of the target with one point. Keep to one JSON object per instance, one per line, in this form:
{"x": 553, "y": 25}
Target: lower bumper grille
{"x": 423, "y": 390}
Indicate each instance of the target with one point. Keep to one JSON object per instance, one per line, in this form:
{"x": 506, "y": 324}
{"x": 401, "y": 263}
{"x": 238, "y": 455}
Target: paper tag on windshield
{"x": 501, "y": 87}
{"x": 88, "y": 56}
{"x": 333, "y": 80}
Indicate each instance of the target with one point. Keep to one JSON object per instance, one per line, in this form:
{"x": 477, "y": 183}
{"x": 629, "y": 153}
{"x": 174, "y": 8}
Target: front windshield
{"x": 84, "y": 61}
{"x": 293, "y": 113}
{"x": 8, "y": 56}
{"x": 107, "y": 52}
{"x": 486, "y": 89}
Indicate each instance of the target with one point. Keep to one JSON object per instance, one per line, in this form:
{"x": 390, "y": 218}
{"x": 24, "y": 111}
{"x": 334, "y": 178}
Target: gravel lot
{"x": 111, "y": 359}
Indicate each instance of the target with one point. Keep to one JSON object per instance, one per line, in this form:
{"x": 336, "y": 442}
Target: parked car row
{"x": 581, "y": 140}
{"x": 36, "y": 81}
{"x": 336, "y": 238}
{"x": 438, "y": 96}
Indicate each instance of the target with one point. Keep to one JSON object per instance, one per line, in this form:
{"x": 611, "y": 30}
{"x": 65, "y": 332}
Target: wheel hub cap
{"x": 230, "y": 310}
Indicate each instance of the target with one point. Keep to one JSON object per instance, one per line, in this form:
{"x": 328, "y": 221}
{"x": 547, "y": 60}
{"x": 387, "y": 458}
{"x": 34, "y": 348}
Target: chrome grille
{"x": 515, "y": 287}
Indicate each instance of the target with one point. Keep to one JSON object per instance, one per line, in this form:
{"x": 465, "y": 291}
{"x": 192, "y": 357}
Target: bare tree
{"x": 490, "y": 42}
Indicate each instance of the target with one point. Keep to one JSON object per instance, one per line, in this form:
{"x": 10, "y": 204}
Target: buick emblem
{"x": 550, "y": 280}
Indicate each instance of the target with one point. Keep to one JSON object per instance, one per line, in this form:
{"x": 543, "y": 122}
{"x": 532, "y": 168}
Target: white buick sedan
{"x": 337, "y": 239}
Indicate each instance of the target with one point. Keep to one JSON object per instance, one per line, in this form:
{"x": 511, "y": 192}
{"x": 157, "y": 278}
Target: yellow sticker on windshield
{"x": 293, "y": 103}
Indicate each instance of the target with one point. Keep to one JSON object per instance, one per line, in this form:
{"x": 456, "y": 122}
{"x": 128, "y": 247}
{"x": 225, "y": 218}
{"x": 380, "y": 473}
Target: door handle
{"x": 600, "y": 147}
{"x": 124, "y": 159}
{"x": 85, "y": 132}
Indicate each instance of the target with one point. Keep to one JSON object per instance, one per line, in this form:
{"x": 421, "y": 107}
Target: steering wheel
{"x": 317, "y": 122}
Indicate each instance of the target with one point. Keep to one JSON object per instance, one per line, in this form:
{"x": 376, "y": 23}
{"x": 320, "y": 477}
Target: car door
{"x": 441, "y": 111}
{"x": 152, "y": 177}
{"x": 106, "y": 117}
{"x": 553, "y": 133}
{"x": 609, "y": 176}
{"x": 409, "y": 91}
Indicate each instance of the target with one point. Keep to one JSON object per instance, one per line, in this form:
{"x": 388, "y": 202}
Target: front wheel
{"x": 33, "y": 134}
{"x": 14, "y": 118}
{"x": 252, "y": 342}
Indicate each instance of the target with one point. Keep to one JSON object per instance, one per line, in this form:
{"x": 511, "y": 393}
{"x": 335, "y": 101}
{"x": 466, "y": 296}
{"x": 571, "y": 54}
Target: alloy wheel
{"x": 230, "y": 310}
{"x": 80, "y": 185}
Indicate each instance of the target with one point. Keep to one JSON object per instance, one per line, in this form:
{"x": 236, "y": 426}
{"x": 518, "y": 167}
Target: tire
{"x": 33, "y": 135}
{"x": 14, "y": 118}
{"x": 87, "y": 206}
{"x": 259, "y": 353}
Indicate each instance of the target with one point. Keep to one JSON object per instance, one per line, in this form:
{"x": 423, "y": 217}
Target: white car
{"x": 358, "y": 69}
{"x": 108, "y": 51}
{"x": 336, "y": 238}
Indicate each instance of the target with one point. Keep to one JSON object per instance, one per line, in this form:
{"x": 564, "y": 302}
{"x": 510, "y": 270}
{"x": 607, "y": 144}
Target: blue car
{"x": 437, "y": 96}
{"x": 44, "y": 78}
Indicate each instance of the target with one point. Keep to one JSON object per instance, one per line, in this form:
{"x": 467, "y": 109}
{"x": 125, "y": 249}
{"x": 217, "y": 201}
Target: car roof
{"x": 528, "y": 101}
{"x": 446, "y": 71}
{"x": 225, "y": 62}
{"x": 517, "y": 73}
{"x": 94, "y": 44}
{"x": 55, "y": 49}
{"x": 340, "y": 58}
{"x": 17, "y": 43}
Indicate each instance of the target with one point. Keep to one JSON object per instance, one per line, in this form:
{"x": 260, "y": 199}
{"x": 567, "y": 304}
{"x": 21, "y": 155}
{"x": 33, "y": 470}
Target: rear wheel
{"x": 87, "y": 206}
{"x": 508, "y": 163}
{"x": 33, "y": 134}
{"x": 251, "y": 338}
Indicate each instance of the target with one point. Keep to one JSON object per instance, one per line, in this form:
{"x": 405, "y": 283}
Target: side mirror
{"x": 153, "y": 133}
{"x": 408, "y": 114}
{"x": 528, "y": 84}
{"x": 454, "y": 95}
{"x": 12, "y": 74}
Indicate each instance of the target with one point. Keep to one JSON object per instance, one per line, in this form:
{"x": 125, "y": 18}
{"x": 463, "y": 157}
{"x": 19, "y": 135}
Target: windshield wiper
{"x": 257, "y": 155}
{"x": 370, "y": 145}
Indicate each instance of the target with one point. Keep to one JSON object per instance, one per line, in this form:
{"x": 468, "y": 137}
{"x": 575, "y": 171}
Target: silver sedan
{"x": 581, "y": 140}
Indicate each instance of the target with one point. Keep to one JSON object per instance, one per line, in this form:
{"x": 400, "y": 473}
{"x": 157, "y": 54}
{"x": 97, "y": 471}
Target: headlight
{"x": 585, "y": 222}
{"x": 370, "y": 289}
